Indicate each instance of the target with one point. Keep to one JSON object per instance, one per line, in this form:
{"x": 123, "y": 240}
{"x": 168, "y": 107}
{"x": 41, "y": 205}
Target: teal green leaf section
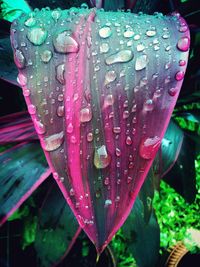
{"x": 142, "y": 239}
{"x": 57, "y": 229}
{"x": 23, "y": 169}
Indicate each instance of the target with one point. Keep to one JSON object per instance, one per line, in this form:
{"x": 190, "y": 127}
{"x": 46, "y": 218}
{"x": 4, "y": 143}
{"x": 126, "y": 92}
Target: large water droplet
{"x": 85, "y": 114}
{"x": 141, "y": 62}
{"x": 183, "y": 44}
{"x": 30, "y": 22}
{"x": 53, "y": 141}
{"x": 19, "y": 59}
{"x": 140, "y": 47}
{"x": 173, "y": 91}
{"x": 60, "y": 73}
{"x": 129, "y": 33}
{"x": 104, "y": 48}
{"x": 65, "y": 43}
{"x": 149, "y": 147}
{"x": 150, "y": 33}
{"x": 60, "y": 111}
{"x": 37, "y": 35}
{"x": 110, "y": 76}
{"x": 182, "y": 63}
{"x": 179, "y": 75}
{"x": 121, "y": 56}
{"x": 105, "y": 32}
{"x": 21, "y": 79}
{"x": 101, "y": 157}
{"x": 46, "y": 55}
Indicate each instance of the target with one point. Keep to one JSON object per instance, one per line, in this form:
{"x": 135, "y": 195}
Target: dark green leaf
{"x": 142, "y": 239}
{"x": 57, "y": 229}
{"x": 23, "y": 169}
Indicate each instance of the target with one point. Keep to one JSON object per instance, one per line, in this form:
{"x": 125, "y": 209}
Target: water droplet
{"x": 85, "y": 114}
{"x": 71, "y": 192}
{"x": 117, "y": 130}
{"x": 89, "y": 137}
{"x": 98, "y": 194}
{"x": 65, "y": 43}
{"x": 104, "y": 48}
{"x": 31, "y": 109}
{"x": 30, "y": 22}
{"x": 26, "y": 92}
{"x": 70, "y": 128}
{"x": 157, "y": 93}
{"x": 108, "y": 101}
{"x": 101, "y": 157}
{"x": 129, "y": 179}
{"x": 118, "y": 152}
{"x": 140, "y": 47}
{"x": 21, "y": 79}
{"x": 46, "y": 55}
{"x": 60, "y": 73}
{"x": 128, "y": 140}
{"x": 182, "y": 63}
{"x": 179, "y": 75}
{"x": 136, "y": 37}
{"x": 165, "y": 36}
{"x": 53, "y": 141}
{"x": 141, "y": 62}
{"x": 149, "y": 147}
{"x": 73, "y": 139}
{"x": 107, "y": 181}
{"x": 39, "y": 127}
{"x": 108, "y": 202}
{"x": 173, "y": 91}
{"x": 19, "y": 59}
{"x": 129, "y": 33}
{"x": 110, "y": 76}
{"x": 60, "y": 111}
{"x": 148, "y": 105}
{"x": 121, "y": 56}
{"x": 126, "y": 114}
{"x": 183, "y": 44}
{"x": 105, "y": 32}
{"x": 56, "y": 15}
{"x": 183, "y": 28}
{"x": 37, "y": 35}
{"x": 60, "y": 97}
{"x": 150, "y": 33}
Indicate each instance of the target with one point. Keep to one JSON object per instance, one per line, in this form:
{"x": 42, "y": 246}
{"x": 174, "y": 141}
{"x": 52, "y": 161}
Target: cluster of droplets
{"x": 132, "y": 55}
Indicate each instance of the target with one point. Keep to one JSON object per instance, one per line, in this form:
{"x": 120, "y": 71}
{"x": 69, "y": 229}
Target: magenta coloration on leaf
{"x": 17, "y": 127}
{"x": 106, "y": 111}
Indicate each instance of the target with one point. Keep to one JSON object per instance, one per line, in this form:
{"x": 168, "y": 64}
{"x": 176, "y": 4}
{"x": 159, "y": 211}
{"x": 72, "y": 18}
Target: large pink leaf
{"x": 100, "y": 87}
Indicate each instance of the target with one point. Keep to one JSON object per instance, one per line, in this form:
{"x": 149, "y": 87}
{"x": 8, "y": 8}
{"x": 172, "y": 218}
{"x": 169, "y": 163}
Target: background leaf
{"x": 57, "y": 229}
{"x": 23, "y": 169}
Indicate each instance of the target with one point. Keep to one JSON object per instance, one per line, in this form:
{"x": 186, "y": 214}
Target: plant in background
{"x": 73, "y": 81}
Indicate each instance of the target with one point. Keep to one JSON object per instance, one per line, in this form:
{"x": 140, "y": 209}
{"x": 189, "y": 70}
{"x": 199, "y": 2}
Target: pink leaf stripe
{"x": 100, "y": 87}
{"x": 16, "y": 128}
{"x": 23, "y": 169}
